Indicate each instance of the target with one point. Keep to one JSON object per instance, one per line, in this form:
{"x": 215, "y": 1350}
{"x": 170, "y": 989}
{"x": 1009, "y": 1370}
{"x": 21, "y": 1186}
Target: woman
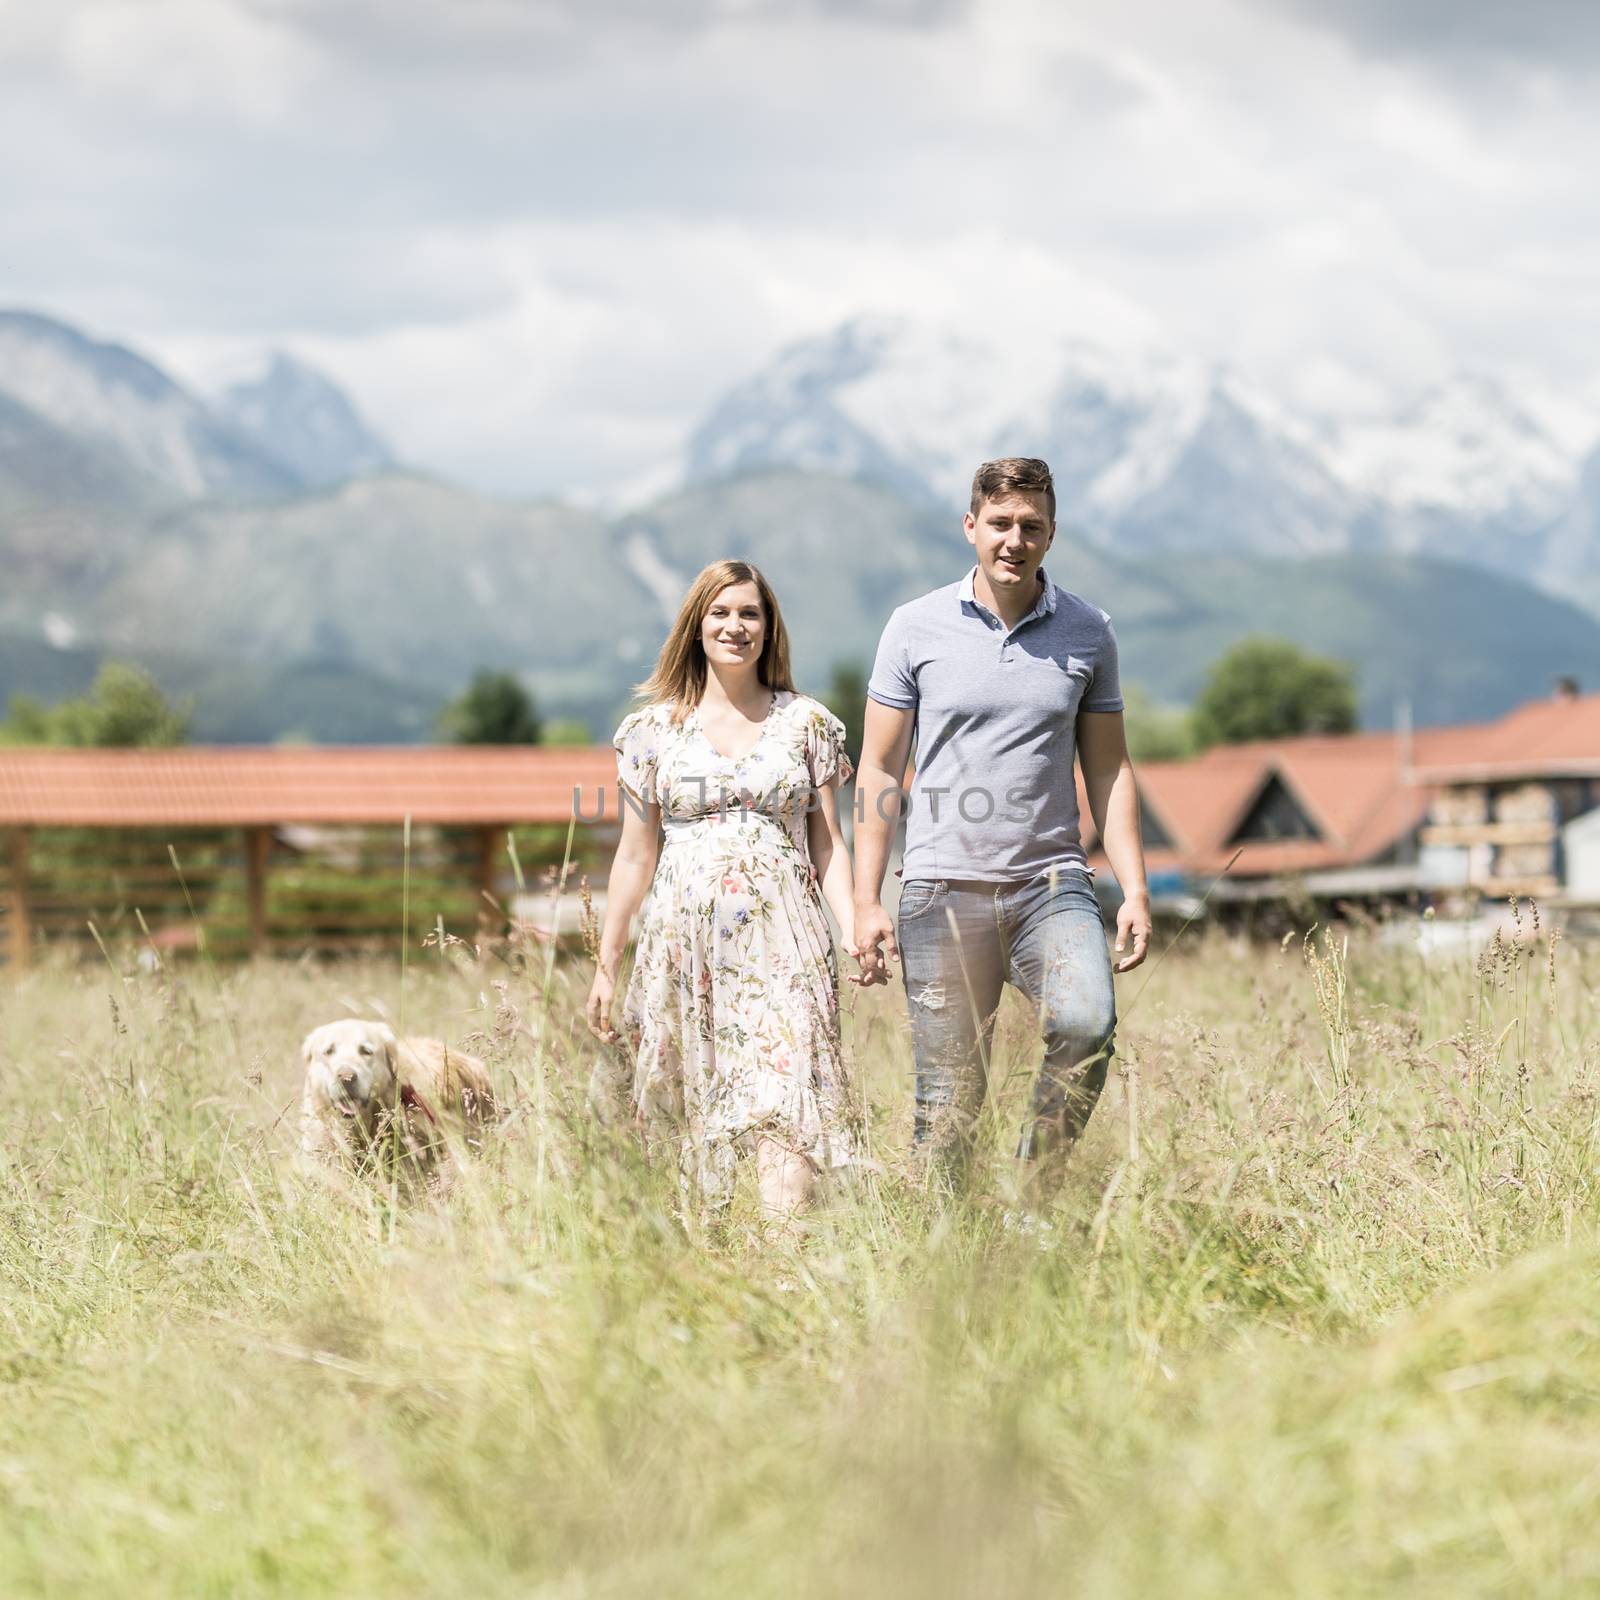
{"x": 733, "y": 1005}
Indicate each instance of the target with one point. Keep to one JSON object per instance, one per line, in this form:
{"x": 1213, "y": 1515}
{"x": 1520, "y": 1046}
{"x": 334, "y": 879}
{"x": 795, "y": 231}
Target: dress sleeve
{"x": 826, "y": 757}
{"x": 638, "y": 745}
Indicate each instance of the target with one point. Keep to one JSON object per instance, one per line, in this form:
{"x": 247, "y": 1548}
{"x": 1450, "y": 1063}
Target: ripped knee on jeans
{"x": 930, "y": 996}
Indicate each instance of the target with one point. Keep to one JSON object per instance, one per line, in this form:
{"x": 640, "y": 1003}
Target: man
{"x": 1001, "y": 678}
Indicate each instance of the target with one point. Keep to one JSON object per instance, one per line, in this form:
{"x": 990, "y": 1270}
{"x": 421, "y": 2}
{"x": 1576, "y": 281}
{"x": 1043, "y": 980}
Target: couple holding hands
{"x": 730, "y": 825}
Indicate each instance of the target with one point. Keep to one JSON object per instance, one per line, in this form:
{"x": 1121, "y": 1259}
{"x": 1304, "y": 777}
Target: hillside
{"x": 1460, "y": 642}
{"x": 263, "y": 611}
{"x": 397, "y": 576}
{"x": 70, "y": 510}
{"x": 840, "y": 554}
{"x": 238, "y": 702}
{"x": 258, "y": 551}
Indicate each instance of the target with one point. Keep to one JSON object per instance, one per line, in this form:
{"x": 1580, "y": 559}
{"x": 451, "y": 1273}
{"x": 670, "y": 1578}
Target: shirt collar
{"x": 1045, "y": 606}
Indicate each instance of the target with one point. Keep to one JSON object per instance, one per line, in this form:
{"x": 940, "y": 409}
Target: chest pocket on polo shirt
{"x": 1056, "y": 680}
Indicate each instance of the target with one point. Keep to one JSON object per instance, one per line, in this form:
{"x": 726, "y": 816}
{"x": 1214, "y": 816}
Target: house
{"x": 1498, "y": 808}
{"x": 1501, "y": 803}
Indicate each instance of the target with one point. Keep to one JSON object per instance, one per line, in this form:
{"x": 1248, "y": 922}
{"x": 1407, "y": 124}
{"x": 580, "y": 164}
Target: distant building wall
{"x": 1507, "y": 838}
{"x": 1580, "y": 844}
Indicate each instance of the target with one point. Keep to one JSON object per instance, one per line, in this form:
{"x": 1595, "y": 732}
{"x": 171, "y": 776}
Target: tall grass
{"x": 1317, "y": 1314}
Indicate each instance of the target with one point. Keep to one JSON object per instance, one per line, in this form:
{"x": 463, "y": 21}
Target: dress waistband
{"x": 734, "y": 819}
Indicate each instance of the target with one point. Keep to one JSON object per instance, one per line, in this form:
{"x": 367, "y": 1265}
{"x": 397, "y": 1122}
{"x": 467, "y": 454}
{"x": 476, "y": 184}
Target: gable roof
{"x": 1273, "y": 800}
{"x": 1360, "y": 805}
{"x": 1366, "y": 792}
{"x": 1545, "y": 738}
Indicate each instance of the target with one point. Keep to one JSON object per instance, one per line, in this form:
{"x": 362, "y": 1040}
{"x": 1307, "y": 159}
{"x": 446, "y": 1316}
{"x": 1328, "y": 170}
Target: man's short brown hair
{"x": 1013, "y": 475}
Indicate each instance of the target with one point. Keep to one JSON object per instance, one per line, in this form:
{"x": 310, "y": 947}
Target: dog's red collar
{"x": 411, "y": 1097}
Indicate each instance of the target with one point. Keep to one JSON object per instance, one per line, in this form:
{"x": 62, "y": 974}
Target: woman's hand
{"x": 598, "y": 1008}
{"x": 873, "y": 929}
{"x": 872, "y": 969}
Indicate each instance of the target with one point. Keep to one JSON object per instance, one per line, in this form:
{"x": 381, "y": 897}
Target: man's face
{"x": 1011, "y": 535}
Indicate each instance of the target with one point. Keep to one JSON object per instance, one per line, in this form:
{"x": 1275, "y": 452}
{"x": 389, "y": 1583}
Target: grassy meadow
{"x": 1318, "y": 1312}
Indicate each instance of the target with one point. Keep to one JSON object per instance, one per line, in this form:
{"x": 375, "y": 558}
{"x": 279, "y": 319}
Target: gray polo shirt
{"x": 994, "y": 798}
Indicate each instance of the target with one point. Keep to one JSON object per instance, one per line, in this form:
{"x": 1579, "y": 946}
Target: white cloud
{"x": 1475, "y": 39}
{"x": 619, "y": 335}
{"x": 537, "y": 245}
{"x": 178, "y": 58}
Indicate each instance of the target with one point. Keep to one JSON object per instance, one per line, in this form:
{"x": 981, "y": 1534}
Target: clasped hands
{"x": 873, "y": 945}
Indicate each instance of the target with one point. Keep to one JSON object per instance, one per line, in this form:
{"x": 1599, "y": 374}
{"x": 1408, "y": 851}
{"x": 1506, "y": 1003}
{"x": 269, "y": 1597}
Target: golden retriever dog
{"x": 376, "y": 1102}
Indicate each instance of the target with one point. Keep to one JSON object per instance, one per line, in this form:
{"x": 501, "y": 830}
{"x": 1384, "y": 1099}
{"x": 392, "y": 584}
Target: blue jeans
{"x": 960, "y": 943}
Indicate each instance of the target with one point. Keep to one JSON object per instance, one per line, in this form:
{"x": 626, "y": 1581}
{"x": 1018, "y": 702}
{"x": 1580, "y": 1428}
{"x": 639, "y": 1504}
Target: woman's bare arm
{"x": 885, "y": 749}
{"x": 632, "y": 869}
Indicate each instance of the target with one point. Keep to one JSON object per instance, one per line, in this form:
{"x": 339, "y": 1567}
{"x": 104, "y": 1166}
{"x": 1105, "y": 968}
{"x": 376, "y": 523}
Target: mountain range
{"x": 258, "y": 548}
{"x": 1153, "y": 453}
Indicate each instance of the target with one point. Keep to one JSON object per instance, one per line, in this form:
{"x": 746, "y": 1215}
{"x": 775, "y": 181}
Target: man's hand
{"x": 874, "y": 928}
{"x": 1133, "y": 925}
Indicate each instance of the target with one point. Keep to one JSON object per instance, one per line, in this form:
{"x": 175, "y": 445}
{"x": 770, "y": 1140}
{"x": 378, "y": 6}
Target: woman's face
{"x": 734, "y": 627}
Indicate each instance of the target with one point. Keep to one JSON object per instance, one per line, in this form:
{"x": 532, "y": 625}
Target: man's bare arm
{"x": 830, "y": 861}
{"x": 1114, "y": 804}
{"x": 880, "y": 781}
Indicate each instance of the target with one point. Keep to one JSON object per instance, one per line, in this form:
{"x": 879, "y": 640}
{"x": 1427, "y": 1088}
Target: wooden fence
{"x": 240, "y": 892}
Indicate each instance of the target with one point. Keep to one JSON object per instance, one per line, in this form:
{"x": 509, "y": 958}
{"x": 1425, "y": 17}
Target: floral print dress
{"x": 733, "y": 1006}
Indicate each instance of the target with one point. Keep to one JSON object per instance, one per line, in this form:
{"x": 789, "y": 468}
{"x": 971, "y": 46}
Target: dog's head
{"x": 351, "y": 1067}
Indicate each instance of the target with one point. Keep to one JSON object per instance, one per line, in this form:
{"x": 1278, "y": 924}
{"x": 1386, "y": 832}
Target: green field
{"x": 1319, "y": 1312}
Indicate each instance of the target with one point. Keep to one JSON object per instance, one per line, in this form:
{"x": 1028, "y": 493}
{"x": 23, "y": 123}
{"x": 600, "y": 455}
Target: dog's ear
{"x": 384, "y": 1034}
{"x": 305, "y": 1047}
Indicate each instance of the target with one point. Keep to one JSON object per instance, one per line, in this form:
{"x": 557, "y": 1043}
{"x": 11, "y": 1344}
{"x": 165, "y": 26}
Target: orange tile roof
{"x": 253, "y": 786}
{"x": 1545, "y": 738}
{"x": 1364, "y": 791}
{"x": 1353, "y": 786}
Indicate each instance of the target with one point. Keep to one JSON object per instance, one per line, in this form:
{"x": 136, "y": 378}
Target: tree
{"x": 566, "y": 731}
{"x": 846, "y": 698}
{"x": 1265, "y": 688}
{"x": 493, "y": 709}
{"x": 107, "y": 873}
{"x": 124, "y": 707}
{"x": 1155, "y": 732}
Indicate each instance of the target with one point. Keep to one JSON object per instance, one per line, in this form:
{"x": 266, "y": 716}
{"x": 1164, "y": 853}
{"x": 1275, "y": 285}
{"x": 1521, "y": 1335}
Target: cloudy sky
{"x": 537, "y": 237}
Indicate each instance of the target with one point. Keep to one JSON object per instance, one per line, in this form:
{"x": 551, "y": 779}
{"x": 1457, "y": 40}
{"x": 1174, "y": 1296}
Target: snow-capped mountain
{"x": 113, "y": 399}
{"x": 1466, "y": 445}
{"x": 1234, "y": 478}
{"x": 796, "y": 414}
{"x": 1152, "y": 451}
{"x": 125, "y": 499}
{"x": 300, "y": 418}
{"x": 1137, "y": 441}
{"x": 1463, "y": 471}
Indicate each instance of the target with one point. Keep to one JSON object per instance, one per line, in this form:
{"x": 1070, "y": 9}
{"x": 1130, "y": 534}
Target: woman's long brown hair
{"x": 679, "y": 679}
